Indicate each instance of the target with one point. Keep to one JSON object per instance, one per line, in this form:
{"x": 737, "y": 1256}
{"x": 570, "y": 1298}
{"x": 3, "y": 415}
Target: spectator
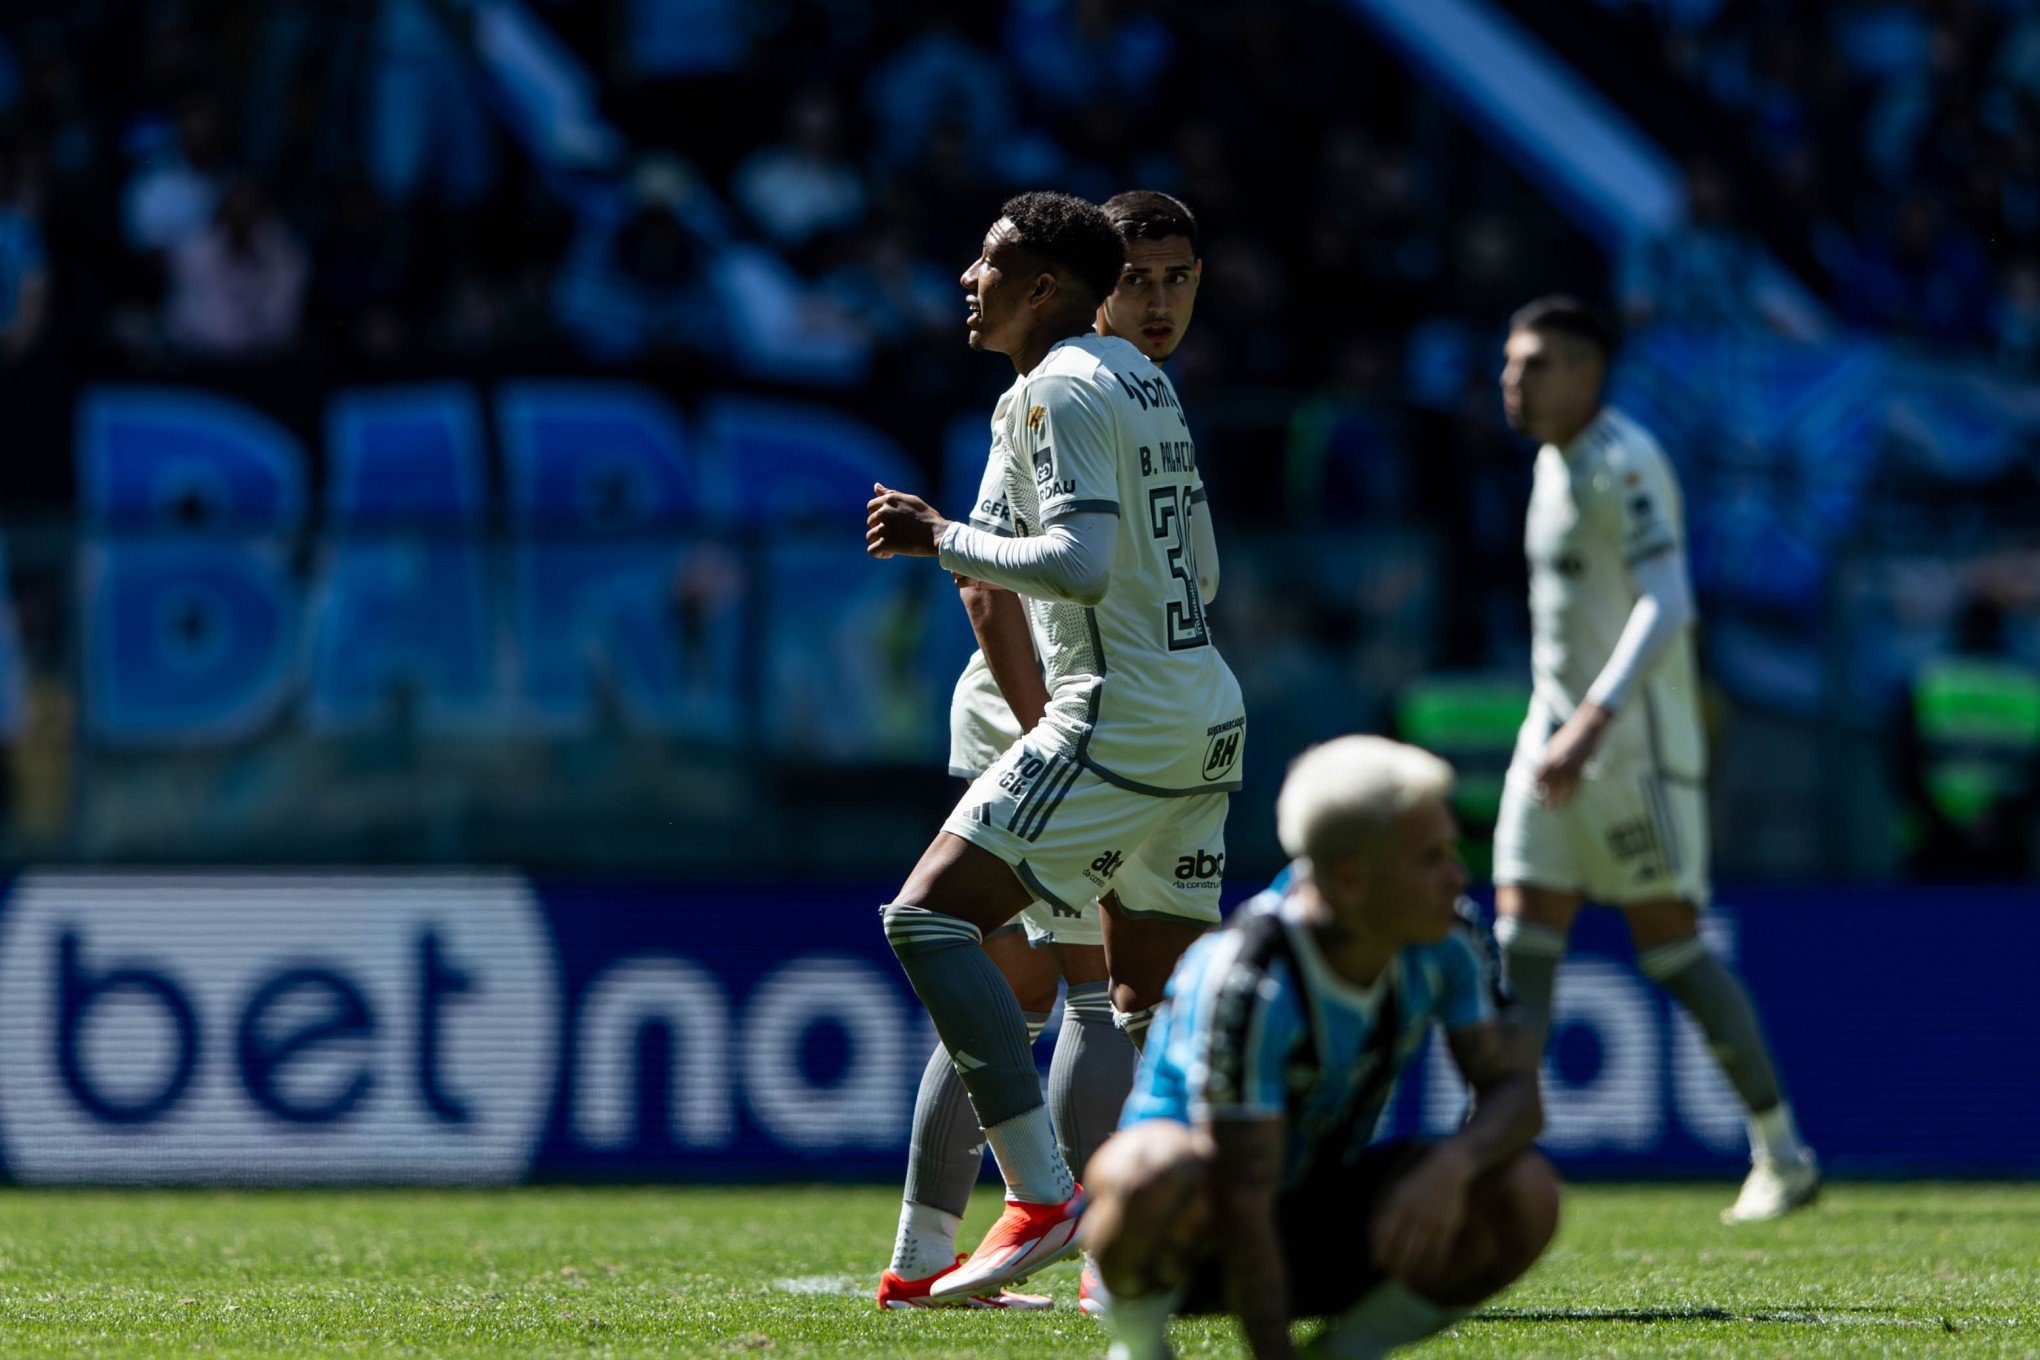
{"x": 429, "y": 135}
{"x": 802, "y": 186}
{"x": 637, "y": 280}
{"x": 24, "y": 265}
{"x": 236, "y": 289}
{"x": 175, "y": 194}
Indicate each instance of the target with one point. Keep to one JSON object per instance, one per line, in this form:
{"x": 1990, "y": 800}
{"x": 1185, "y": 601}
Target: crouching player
{"x": 1243, "y": 1179}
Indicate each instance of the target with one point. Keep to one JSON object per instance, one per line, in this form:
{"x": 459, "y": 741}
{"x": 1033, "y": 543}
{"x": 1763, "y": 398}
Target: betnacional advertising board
{"x": 271, "y": 1027}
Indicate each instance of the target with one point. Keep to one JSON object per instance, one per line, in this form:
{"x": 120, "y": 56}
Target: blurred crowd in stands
{"x": 782, "y": 192}
{"x": 1904, "y": 135}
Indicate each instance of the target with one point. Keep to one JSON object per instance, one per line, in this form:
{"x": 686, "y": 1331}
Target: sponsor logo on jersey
{"x": 1202, "y": 867}
{"x": 1222, "y": 755}
{"x": 1058, "y": 909}
{"x": 1631, "y": 840}
{"x": 1151, "y": 393}
{"x": 1103, "y": 867}
{"x": 1046, "y": 487}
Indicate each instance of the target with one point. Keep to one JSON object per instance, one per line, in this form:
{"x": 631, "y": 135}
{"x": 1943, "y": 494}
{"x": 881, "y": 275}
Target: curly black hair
{"x": 1151, "y": 215}
{"x": 1072, "y": 234}
{"x": 1563, "y": 314}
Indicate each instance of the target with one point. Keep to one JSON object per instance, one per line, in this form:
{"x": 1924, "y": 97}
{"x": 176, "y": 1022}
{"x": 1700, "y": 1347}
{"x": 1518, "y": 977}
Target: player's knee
{"x": 1151, "y": 1201}
{"x": 1134, "y": 997}
{"x": 1523, "y": 1206}
{"x": 912, "y": 929}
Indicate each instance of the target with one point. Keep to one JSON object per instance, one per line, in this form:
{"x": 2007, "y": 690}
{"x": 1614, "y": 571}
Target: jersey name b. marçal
{"x": 1136, "y": 686}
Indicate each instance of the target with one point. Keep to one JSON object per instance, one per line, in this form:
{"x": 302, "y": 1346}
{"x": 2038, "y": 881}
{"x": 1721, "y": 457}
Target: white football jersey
{"x": 1135, "y": 684}
{"x": 1601, "y": 504}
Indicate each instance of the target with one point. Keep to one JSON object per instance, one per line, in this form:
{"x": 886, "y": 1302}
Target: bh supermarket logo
{"x": 275, "y": 1028}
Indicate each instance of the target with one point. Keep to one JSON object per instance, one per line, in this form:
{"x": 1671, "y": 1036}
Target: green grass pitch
{"x": 1873, "y": 1270}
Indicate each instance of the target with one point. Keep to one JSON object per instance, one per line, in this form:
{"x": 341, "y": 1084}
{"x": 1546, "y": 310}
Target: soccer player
{"x": 1092, "y": 1071}
{"x": 1244, "y": 1180}
{"x": 1604, "y": 799}
{"x": 1140, "y": 740}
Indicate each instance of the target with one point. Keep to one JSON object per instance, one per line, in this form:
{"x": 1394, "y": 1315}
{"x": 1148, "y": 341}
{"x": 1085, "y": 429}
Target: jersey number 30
{"x": 1168, "y": 519}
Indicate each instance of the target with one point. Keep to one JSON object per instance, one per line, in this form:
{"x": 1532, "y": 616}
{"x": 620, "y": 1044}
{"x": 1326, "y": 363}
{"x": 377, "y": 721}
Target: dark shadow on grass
{"x": 1810, "y": 1316}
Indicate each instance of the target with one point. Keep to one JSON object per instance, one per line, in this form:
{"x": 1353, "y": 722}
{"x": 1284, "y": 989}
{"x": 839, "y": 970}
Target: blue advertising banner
{"x": 482, "y": 1027}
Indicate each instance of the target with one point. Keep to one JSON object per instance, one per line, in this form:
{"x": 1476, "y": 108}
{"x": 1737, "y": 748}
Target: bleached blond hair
{"x": 1341, "y": 797}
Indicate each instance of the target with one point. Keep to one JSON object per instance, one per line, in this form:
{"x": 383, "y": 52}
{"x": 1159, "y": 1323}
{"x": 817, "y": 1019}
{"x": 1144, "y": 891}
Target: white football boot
{"x": 1774, "y": 1189}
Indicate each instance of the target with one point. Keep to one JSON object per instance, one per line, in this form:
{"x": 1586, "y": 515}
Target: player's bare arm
{"x": 1000, "y": 622}
{"x": 900, "y": 525}
{"x": 1421, "y": 1218}
{"x": 1248, "y": 1164}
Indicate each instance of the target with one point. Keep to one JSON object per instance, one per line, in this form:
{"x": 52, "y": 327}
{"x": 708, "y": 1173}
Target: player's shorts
{"x": 981, "y": 724}
{"x": 1046, "y": 926}
{"x": 1070, "y": 834}
{"x": 1322, "y": 1225}
{"x": 1629, "y": 835}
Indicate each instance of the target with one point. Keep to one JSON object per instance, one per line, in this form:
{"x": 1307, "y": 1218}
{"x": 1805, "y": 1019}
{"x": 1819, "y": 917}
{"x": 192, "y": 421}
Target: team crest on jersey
{"x": 1035, "y": 415}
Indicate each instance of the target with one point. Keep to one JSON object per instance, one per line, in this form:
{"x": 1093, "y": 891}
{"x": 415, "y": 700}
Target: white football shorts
{"x": 1628, "y": 835}
{"x": 1070, "y": 834}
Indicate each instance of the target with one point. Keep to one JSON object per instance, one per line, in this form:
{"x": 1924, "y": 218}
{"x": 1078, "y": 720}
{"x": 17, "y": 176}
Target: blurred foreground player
{"x": 1605, "y": 799}
{"x": 1244, "y": 1180}
{"x": 1140, "y": 743}
{"x": 1000, "y": 695}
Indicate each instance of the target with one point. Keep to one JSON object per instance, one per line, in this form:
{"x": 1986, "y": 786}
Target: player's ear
{"x": 1046, "y": 285}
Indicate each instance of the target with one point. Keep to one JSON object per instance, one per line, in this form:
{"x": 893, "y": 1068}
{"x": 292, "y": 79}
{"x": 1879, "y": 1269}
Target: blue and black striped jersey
{"x": 1257, "y": 1025}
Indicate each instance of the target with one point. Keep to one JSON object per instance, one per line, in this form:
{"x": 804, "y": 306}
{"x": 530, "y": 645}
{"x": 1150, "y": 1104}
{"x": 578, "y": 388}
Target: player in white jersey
{"x": 1092, "y": 1072}
{"x": 1141, "y": 739}
{"x": 1605, "y": 799}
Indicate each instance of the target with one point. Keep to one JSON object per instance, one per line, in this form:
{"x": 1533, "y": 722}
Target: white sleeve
{"x": 1070, "y": 439}
{"x": 1070, "y": 561}
{"x": 1663, "y": 606}
{"x": 1204, "y": 544}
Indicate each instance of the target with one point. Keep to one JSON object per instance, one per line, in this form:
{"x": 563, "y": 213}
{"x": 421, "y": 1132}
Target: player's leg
{"x": 936, "y": 927}
{"x": 1165, "y": 899}
{"x": 1511, "y": 1215}
{"x": 1092, "y": 1070}
{"x": 1651, "y": 860}
{"x": 947, "y": 1150}
{"x": 1532, "y": 924}
{"x": 1148, "y": 1229}
{"x": 1143, "y": 949}
{"x": 1036, "y": 817}
{"x": 1671, "y": 953}
{"x": 1538, "y": 877}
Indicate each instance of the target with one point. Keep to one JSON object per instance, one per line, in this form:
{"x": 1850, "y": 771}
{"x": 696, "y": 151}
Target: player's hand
{"x": 899, "y": 525}
{"x": 1414, "y": 1230}
{"x": 1567, "y": 753}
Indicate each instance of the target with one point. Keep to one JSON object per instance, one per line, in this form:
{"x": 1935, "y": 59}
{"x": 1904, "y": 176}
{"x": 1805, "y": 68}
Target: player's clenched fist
{"x": 901, "y": 525}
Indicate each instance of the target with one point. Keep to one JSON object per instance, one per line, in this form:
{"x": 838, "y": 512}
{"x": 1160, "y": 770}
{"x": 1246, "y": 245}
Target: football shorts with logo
{"x": 1634, "y": 831}
{"x": 981, "y": 729}
{"x": 1071, "y": 834}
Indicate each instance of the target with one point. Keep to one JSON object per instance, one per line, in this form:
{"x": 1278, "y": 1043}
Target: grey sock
{"x": 1716, "y": 999}
{"x": 1091, "y": 1075}
{"x": 1530, "y": 955}
{"x": 948, "y": 1148}
{"x": 972, "y": 1006}
{"x": 1134, "y": 1024}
